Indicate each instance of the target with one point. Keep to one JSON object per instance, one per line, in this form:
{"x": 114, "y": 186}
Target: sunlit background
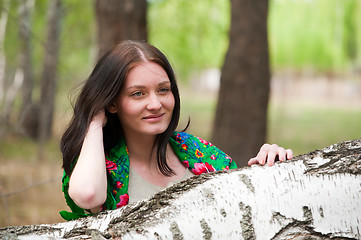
{"x": 315, "y": 48}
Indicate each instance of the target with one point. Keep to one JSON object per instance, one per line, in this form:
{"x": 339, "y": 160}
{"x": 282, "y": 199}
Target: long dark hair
{"x": 102, "y": 88}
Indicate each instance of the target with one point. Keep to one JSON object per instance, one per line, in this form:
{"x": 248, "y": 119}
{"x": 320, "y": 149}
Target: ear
{"x": 112, "y": 108}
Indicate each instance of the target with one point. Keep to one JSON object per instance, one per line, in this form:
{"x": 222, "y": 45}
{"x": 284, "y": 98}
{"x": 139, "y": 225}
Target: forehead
{"x": 144, "y": 73}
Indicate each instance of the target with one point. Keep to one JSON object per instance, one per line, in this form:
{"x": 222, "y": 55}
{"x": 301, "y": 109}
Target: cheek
{"x": 126, "y": 109}
{"x": 170, "y": 102}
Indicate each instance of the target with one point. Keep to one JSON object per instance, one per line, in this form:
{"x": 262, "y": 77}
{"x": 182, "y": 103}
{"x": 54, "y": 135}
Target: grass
{"x": 301, "y": 126}
{"x": 305, "y": 127}
{"x": 33, "y": 187}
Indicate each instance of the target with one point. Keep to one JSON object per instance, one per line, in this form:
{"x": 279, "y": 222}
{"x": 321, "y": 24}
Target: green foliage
{"x": 77, "y": 39}
{"x": 193, "y": 34}
{"x": 78, "y": 51}
{"x": 321, "y": 34}
{"x": 11, "y": 43}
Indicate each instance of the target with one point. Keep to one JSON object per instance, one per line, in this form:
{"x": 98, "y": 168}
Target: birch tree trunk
{"x": 315, "y": 196}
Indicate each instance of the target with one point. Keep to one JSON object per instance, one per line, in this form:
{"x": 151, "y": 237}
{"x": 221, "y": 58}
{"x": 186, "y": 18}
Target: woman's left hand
{"x": 269, "y": 154}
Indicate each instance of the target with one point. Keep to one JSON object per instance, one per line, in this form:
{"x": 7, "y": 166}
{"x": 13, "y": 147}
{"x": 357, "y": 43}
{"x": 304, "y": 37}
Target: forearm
{"x": 88, "y": 182}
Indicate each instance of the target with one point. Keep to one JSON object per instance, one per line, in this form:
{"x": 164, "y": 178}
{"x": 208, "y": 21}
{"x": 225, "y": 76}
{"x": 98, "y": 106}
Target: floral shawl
{"x": 197, "y": 154}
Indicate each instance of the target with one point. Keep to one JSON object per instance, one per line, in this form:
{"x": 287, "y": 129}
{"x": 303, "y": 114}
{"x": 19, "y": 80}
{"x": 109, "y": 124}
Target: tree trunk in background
{"x": 350, "y": 31}
{"x": 48, "y": 84}
{"x": 315, "y": 196}
{"x": 3, "y": 23}
{"x": 241, "y": 115}
{"x": 25, "y": 12}
{"x": 29, "y": 113}
{"x": 3, "y": 63}
{"x": 11, "y": 77}
{"x": 118, "y": 21}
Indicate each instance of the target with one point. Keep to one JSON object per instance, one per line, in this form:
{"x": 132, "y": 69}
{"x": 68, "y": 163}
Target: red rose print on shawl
{"x": 110, "y": 165}
{"x": 124, "y": 199}
{"x": 119, "y": 184}
{"x": 205, "y": 142}
{"x": 200, "y": 168}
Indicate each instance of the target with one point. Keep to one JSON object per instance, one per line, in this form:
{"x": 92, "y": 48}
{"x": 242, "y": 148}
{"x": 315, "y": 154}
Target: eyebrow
{"x": 142, "y": 86}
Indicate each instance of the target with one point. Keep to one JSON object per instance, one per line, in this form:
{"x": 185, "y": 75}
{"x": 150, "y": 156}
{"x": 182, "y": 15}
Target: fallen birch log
{"x": 315, "y": 196}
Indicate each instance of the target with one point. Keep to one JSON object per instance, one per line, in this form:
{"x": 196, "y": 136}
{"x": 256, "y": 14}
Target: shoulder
{"x": 192, "y": 150}
{"x": 184, "y": 138}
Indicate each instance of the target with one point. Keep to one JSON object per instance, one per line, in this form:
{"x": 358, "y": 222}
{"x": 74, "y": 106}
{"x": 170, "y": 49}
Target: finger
{"x": 271, "y": 158}
{"x": 272, "y": 154}
{"x": 281, "y": 154}
{"x": 289, "y": 153}
{"x": 262, "y": 154}
{"x": 252, "y": 161}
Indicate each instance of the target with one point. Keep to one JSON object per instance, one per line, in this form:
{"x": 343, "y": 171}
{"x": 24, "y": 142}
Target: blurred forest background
{"x": 315, "y": 97}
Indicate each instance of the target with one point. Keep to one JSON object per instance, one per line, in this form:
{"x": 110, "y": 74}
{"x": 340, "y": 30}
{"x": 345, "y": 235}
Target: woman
{"x": 121, "y": 145}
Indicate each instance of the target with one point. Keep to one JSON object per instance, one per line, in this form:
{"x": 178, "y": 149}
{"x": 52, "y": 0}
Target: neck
{"x": 142, "y": 150}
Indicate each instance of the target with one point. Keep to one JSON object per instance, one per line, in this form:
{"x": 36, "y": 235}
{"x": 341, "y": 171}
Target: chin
{"x": 157, "y": 131}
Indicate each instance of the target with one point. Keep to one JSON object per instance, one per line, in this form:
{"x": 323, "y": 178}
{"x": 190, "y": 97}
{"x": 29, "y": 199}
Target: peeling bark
{"x": 315, "y": 196}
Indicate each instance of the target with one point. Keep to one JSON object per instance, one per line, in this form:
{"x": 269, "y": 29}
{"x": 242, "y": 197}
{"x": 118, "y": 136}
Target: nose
{"x": 154, "y": 103}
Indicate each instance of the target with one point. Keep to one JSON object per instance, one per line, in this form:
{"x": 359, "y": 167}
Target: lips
{"x": 153, "y": 116}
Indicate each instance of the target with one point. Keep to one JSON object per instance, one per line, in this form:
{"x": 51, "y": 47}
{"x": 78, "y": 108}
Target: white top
{"x": 140, "y": 189}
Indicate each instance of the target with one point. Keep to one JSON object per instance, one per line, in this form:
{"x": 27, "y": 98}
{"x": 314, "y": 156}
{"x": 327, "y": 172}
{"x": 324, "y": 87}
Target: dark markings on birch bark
{"x": 320, "y": 210}
{"x": 248, "y": 232}
{"x": 157, "y": 236}
{"x": 207, "y": 231}
{"x": 77, "y": 232}
{"x": 223, "y": 212}
{"x": 341, "y": 158}
{"x": 176, "y": 232}
{"x": 24, "y": 230}
{"x": 247, "y": 181}
{"x": 307, "y": 214}
{"x": 208, "y": 194}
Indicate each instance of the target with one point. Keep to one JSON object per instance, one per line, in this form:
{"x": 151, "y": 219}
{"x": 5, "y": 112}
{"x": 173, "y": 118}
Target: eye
{"x": 164, "y": 90}
{"x": 137, "y": 94}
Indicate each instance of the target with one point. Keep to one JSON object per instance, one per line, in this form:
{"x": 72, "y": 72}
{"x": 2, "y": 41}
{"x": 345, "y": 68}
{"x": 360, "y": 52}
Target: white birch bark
{"x": 315, "y": 196}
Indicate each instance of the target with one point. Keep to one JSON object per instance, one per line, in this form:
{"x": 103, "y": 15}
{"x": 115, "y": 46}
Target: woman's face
{"x": 145, "y": 103}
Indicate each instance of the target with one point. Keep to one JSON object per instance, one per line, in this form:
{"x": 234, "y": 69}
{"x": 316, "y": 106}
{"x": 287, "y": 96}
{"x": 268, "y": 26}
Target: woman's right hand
{"x": 100, "y": 119}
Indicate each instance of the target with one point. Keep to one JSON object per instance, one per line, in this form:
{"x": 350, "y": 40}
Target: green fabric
{"x": 197, "y": 154}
